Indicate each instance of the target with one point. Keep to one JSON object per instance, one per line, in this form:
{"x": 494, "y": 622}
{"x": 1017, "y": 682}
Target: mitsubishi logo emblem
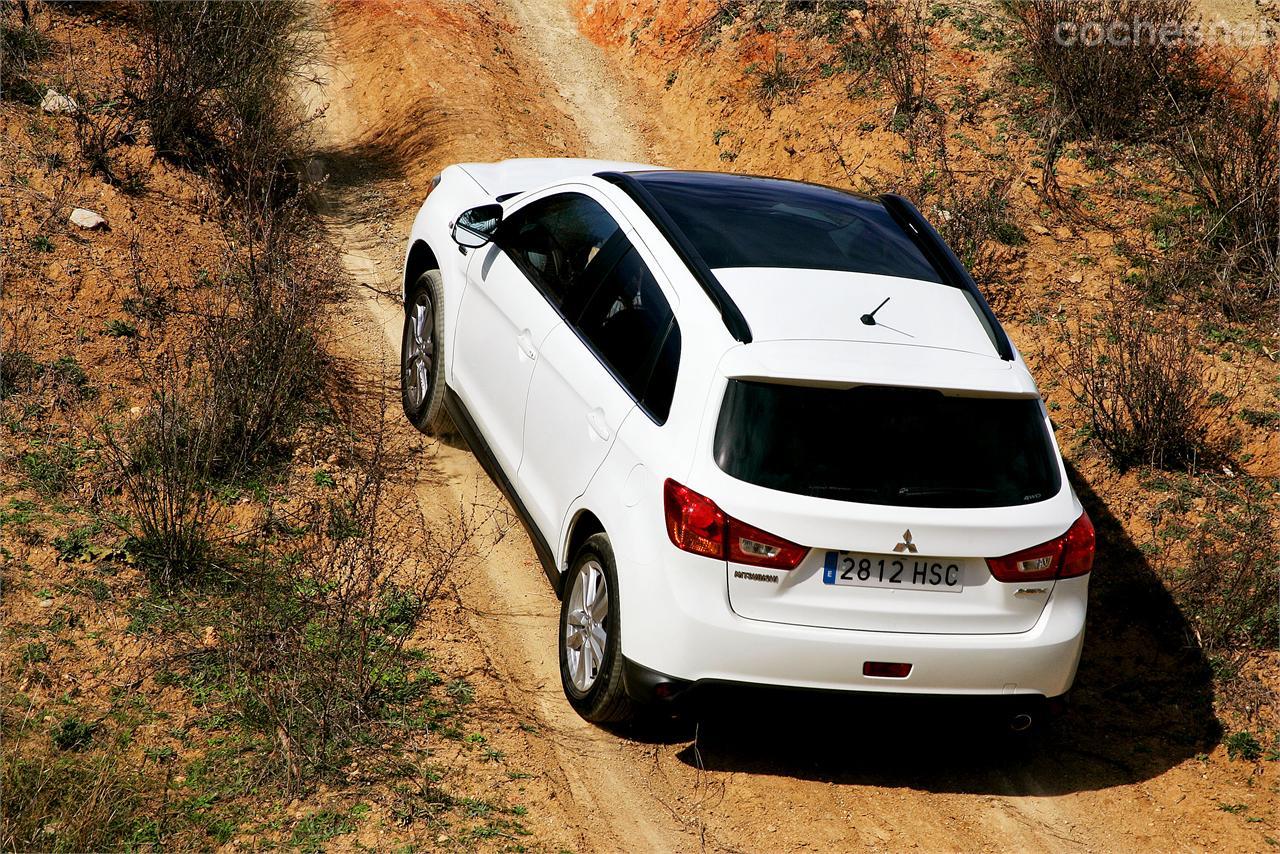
{"x": 906, "y": 545}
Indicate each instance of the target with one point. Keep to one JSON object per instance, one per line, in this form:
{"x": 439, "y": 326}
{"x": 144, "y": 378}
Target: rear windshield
{"x": 881, "y": 445}
{"x": 744, "y": 221}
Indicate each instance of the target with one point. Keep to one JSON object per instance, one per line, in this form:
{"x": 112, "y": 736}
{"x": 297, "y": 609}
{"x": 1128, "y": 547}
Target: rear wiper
{"x": 844, "y": 490}
{"x": 943, "y": 490}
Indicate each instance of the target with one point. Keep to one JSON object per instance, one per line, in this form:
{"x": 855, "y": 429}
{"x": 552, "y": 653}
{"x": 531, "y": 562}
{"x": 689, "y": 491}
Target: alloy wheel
{"x": 585, "y": 628}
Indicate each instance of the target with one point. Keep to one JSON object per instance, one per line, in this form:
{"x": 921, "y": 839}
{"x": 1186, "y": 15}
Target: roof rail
{"x": 948, "y": 266}
{"x": 729, "y": 311}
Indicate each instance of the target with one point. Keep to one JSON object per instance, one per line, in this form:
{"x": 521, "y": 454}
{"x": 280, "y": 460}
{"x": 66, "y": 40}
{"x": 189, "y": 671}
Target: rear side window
{"x": 630, "y": 325}
{"x": 882, "y": 445}
{"x": 557, "y": 242}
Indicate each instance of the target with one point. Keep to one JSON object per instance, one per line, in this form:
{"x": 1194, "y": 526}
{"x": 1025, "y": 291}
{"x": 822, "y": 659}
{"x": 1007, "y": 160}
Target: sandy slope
{"x": 418, "y": 84}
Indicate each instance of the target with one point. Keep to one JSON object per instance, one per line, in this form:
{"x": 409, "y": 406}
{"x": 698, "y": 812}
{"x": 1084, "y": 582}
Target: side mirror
{"x": 475, "y": 227}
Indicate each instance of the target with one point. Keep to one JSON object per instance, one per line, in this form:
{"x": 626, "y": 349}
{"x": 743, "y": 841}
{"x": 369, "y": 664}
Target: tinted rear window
{"x": 879, "y": 445}
{"x": 743, "y": 221}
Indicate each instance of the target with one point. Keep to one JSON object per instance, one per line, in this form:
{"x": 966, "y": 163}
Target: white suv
{"x": 759, "y": 431}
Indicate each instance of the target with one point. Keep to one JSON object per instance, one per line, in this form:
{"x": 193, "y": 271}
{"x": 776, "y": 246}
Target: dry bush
{"x": 22, "y": 46}
{"x": 970, "y": 211}
{"x": 897, "y": 33}
{"x": 1148, "y": 397}
{"x": 216, "y": 86}
{"x": 1230, "y": 155}
{"x": 100, "y": 129}
{"x": 19, "y": 370}
{"x": 163, "y": 464}
{"x": 315, "y": 648}
{"x": 1229, "y": 581}
{"x": 1106, "y": 90}
{"x": 222, "y": 410}
{"x": 259, "y": 343}
{"x": 777, "y": 80}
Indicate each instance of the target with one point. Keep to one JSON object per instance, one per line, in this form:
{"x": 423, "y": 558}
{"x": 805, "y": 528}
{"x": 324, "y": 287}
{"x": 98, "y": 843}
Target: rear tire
{"x": 590, "y": 636}
{"x": 422, "y": 355}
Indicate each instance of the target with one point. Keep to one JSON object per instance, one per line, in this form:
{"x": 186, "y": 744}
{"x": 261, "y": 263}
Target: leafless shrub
{"x": 315, "y": 649}
{"x": 1230, "y": 156}
{"x": 1228, "y": 581}
{"x": 1108, "y": 90}
{"x": 163, "y": 465}
{"x": 22, "y": 45}
{"x": 99, "y": 130}
{"x": 972, "y": 212}
{"x": 897, "y": 32}
{"x": 18, "y": 368}
{"x": 216, "y": 87}
{"x": 1148, "y": 397}
{"x": 259, "y": 342}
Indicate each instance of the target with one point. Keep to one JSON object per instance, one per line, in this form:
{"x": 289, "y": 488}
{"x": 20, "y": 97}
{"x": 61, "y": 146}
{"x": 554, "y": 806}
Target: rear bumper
{"x": 688, "y": 633}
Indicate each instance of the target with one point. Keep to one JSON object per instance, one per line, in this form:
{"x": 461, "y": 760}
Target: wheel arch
{"x": 585, "y": 524}
{"x": 420, "y": 259}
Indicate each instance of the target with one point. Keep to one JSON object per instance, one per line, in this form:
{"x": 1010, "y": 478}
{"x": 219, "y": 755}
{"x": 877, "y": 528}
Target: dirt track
{"x": 418, "y": 84}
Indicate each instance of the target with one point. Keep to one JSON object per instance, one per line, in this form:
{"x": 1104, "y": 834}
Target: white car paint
{"x": 571, "y": 441}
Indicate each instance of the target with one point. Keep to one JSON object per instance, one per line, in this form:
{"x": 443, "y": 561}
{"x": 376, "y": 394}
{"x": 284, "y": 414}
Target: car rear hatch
{"x": 899, "y": 493}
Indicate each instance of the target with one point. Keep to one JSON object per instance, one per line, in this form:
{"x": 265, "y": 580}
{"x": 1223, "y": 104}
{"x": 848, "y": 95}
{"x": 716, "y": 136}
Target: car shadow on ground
{"x": 1142, "y": 703}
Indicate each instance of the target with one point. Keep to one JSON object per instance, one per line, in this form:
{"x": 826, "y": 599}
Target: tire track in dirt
{"x": 511, "y": 612}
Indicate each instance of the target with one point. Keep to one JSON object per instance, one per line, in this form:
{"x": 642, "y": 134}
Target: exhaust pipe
{"x": 1020, "y": 722}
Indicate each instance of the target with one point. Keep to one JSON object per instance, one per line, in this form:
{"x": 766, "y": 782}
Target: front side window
{"x": 630, "y": 325}
{"x": 557, "y": 242}
{"x": 885, "y": 445}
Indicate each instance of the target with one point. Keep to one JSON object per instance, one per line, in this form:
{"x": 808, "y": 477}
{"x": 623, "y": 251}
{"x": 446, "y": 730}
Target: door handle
{"x": 525, "y": 342}
{"x": 595, "y": 418}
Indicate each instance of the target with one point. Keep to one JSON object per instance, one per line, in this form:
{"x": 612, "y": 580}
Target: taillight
{"x": 695, "y": 524}
{"x": 1064, "y": 557}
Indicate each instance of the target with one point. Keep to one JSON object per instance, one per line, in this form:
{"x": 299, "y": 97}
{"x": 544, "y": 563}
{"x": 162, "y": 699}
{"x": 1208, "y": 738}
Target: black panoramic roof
{"x": 748, "y": 221}
{"x": 716, "y": 220}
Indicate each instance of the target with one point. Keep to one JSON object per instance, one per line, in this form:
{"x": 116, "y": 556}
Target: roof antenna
{"x": 870, "y": 319}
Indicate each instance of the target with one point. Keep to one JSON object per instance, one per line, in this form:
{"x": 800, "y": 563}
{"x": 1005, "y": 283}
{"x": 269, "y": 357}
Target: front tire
{"x": 422, "y": 355}
{"x": 590, "y": 636}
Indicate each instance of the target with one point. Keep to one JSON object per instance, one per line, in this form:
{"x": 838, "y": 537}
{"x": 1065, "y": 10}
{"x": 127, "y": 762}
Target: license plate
{"x": 855, "y": 569}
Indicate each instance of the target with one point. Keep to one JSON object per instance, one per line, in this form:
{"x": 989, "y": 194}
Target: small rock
{"x": 1039, "y": 229}
{"x": 56, "y": 102}
{"x": 86, "y": 218}
{"x": 46, "y": 603}
{"x": 1076, "y": 278}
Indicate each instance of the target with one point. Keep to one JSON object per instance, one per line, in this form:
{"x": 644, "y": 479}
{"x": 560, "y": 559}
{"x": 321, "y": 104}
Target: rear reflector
{"x": 696, "y": 524}
{"x": 886, "y": 669}
{"x": 1064, "y": 557}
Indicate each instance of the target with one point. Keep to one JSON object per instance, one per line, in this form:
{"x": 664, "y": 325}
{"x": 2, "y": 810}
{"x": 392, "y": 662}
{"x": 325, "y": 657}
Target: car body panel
{"x": 501, "y": 326}
{"x": 523, "y": 174}
{"x": 828, "y": 304}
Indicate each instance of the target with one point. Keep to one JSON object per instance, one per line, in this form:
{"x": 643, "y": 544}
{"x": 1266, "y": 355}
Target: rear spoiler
{"x": 948, "y": 266}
